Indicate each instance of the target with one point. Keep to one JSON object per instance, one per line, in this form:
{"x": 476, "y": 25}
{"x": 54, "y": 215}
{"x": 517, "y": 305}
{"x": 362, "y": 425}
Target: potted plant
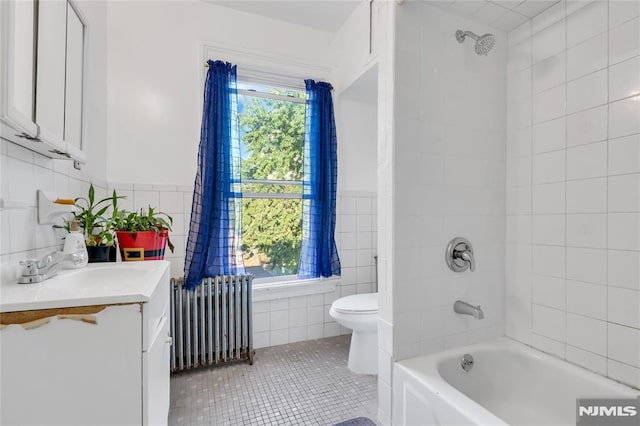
{"x": 98, "y": 232}
{"x": 142, "y": 235}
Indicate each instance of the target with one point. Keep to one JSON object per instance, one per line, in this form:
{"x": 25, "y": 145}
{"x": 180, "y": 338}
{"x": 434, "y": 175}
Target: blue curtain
{"x": 213, "y": 244}
{"x": 319, "y": 255}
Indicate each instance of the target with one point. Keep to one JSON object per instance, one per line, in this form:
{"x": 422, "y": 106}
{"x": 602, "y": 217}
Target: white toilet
{"x": 360, "y": 313}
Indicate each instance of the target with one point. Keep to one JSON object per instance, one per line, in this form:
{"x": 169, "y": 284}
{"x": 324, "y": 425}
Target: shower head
{"x": 483, "y": 43}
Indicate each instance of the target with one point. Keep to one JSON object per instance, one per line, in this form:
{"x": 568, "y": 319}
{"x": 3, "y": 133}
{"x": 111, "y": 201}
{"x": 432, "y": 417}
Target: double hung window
{"x": 272, "y": 126}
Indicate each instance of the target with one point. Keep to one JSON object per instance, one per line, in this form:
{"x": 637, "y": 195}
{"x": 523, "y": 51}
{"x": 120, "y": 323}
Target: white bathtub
{"x": 509, "y": 383}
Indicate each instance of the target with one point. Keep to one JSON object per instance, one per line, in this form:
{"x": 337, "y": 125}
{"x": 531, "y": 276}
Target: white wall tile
{"x": 624, "y": 117}
{"x": 549, "y": 41}
{"x": 624, "y": 231}
{"x": 587, "y": 230}
{"x": 624, "y": 193}
{"x": 587, "y": 265}
{"x": 587, "y": 22}
{"x": 624, "y": 269}
{"x": 549, "y": 260}
{"x": 549, "y": 104}
{"x": 624, "y": 79}
{"x": 587, "y": 161}
{"x": 587, "y": 333}
{"x": 548, "y": 345}
{"x": 587, "y": 126}
{"x": 621, "y": 11}
{"x": 624, "y": 155}
{"x": 587, "y": 299}
{"x": 550, "y": 135}
{"x": 549, "y": 198}
{"x": 549, "y": 322}
{"x": 587, "y": 57}
{"x": 624, "y": 306}
{"x": 549, "y": 73}
{"x": 587, "y": 196}
{"x": 549, "y": 167}
{"x": 587, "y": 359}
{"x": 587, "y": 92}
{"x": 624, "y": 344}
{"x": 623, "y": 373}
{"x": 549, "y": 229}
{"x": 549, "y": 291}
{"x": 624, "y": 42}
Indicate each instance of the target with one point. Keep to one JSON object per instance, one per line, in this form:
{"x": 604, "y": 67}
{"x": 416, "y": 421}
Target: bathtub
{"x": 509, "y": 383}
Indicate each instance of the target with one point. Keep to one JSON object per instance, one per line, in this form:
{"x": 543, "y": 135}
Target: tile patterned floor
{"x": 305, "y": 383}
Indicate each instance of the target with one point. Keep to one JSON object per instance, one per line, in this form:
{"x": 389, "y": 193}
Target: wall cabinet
{"x": 43, "y": 64}
{"x": 108, "y": 368}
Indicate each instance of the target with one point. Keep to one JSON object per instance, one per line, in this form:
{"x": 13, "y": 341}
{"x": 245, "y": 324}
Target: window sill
{"x": 293, "y": 288}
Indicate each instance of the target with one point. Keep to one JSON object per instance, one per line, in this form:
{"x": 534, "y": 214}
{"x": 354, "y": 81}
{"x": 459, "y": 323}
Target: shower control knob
{"x": 459, "y": 255}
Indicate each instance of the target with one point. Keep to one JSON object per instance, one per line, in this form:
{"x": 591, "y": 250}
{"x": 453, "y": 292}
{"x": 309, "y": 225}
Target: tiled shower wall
{"x": 277, "y": 321}
{"x": 449, "y": 171}
{"x": 573, "y": 185}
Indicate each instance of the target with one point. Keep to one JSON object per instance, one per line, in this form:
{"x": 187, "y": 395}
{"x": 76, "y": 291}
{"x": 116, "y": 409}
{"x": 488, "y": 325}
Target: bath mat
{"x": 358, "y": 421}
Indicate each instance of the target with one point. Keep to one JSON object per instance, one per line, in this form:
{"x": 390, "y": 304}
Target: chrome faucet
{"x": 465, "y": 308}
{"x": 38, "y": 271}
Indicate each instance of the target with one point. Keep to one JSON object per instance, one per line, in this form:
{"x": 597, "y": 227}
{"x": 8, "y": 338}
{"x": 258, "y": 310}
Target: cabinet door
{"x": 50, "y": 77}
{"x": 74, "y": 83}
{"x": 155, "y": 370}
{"x": 69, "y": 372}
{"x": 17, "y": 36}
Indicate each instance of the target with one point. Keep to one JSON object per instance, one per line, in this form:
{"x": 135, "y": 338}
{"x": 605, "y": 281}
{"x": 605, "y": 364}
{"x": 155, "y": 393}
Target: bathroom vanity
{"x": 89, "y": 346}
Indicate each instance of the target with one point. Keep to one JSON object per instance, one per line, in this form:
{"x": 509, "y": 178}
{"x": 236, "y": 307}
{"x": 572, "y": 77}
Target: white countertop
{"x": 96, "y": 284}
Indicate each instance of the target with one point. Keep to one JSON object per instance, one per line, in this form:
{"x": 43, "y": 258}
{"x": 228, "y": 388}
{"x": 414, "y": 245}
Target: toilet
{"x": 360, "y": 313}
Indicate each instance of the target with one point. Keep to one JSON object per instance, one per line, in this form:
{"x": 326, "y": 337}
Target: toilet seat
{"x": 357, "y": 304}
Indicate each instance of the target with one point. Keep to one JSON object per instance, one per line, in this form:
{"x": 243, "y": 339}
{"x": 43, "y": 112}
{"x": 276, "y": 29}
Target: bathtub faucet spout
{"x": 465, "y": 308}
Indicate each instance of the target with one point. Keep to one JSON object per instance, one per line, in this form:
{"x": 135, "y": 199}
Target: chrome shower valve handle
{"x": 459, "y": 255}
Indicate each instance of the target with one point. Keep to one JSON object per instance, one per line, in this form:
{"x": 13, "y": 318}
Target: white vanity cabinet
{"x": 43, "y": 74}
{"x": 109, "y": 367}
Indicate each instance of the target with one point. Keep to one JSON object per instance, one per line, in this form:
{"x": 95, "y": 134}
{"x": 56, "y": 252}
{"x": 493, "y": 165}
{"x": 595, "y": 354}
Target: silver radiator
{"x": 211, "y": 324}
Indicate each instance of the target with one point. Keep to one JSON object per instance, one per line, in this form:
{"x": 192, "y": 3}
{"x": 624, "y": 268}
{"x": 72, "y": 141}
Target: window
{"x": 271, "y": 124}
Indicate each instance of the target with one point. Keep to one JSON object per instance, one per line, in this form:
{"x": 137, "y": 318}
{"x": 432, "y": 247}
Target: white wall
{"x": 573, "y": 195}
{"x": 155, "y": 79}
{"x": 356, "y": 122}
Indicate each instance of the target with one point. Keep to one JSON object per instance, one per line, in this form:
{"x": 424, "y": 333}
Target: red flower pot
{"x": 142, "y": 245}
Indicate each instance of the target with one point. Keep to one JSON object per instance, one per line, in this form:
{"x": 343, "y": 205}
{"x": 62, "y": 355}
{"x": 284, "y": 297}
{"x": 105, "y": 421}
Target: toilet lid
{"x": 358, "y": 303}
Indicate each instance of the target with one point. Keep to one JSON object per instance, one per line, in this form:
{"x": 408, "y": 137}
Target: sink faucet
{"x": 465, "y": 308}
{"x": 38, "y": 271}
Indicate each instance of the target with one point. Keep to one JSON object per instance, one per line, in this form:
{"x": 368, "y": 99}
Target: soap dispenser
{"x": 74, "y": 245}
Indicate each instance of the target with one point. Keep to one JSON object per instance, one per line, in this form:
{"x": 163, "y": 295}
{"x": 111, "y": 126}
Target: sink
{"x": 96, "y": 284}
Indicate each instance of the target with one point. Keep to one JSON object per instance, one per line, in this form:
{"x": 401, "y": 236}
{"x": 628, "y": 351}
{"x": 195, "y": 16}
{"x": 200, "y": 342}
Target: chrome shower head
{"x": 483, "y": 43}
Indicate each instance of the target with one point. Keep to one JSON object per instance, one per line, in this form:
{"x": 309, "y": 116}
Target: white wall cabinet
{"x": 17, "y": 69}
{"x": 43, "y": 75}
{"x": 73, "y": 372}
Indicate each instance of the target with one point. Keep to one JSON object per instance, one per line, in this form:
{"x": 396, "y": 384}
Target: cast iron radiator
{"x": 211, "y": 324}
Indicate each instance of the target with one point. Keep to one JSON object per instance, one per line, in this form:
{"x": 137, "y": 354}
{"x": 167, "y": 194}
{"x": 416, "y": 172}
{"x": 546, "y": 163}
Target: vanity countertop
{"x": 95, "y": 284}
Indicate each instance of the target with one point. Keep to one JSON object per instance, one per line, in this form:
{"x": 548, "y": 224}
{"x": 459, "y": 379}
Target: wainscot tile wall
{"x": 23, "y": 172}
{"x": 284, "y": 319}
{"x": 278, "y": 321}
{"x": 573, "y": 195}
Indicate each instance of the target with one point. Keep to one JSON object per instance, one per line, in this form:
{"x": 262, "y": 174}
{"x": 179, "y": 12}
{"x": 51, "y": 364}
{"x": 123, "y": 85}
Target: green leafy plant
{"x": 97, "y": 229}
{"x": 150, "y": 220}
